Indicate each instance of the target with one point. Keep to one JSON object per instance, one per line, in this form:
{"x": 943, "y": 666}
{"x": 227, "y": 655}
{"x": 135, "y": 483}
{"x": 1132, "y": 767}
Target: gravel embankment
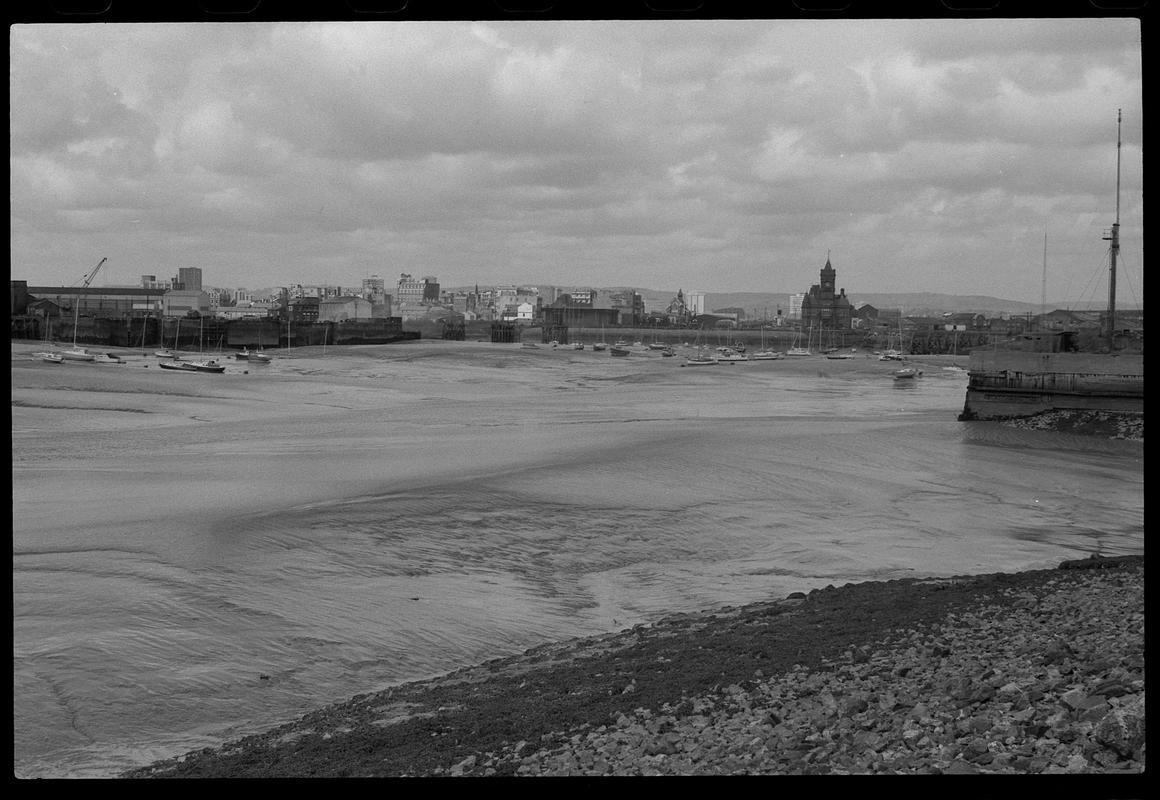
{"x": 1105, "y": 424}
{"x": 1033, "y": 672}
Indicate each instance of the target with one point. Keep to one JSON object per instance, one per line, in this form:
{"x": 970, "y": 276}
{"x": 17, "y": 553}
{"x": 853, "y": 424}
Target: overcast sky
{"x": 720, "y": 156}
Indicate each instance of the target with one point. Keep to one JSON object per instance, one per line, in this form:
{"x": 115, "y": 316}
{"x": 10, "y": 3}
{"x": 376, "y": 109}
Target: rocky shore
{"x": 1036, "y": 672}
{"x": 1105, "y": 424}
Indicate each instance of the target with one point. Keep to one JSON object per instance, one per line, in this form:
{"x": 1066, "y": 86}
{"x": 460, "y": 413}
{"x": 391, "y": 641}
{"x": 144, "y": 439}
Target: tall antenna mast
{"x": 1043, "y": 289}
{"x": 1115, "y": 247}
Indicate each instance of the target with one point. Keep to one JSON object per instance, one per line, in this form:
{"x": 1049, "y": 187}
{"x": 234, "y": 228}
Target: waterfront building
{"x": 347, "y": 307}
{"x": 412, "y": 291}
{"x": 110, "y": 302}
{"x": 822, "y": 309}
{"x": 795, "y": 305}
{"x": 695, "y": 302}
{"x": 180, "y": 302}
{"x": 303, "y": 309}
{"x": 188, "y": 278}
{"x": 374, "y": 289}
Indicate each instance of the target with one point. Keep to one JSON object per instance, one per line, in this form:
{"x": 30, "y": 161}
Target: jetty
{"x": 1006, "y": 384}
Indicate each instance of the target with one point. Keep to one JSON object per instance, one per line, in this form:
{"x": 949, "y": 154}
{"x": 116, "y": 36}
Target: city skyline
{"x": 950, "y": 156}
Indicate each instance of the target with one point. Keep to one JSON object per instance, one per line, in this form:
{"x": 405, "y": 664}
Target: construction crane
{"x": 92, "y": 274}
{"x": 77, "y": 304}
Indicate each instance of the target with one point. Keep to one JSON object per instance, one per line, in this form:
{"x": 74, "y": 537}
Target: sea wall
{"x": 1011, "y": 384}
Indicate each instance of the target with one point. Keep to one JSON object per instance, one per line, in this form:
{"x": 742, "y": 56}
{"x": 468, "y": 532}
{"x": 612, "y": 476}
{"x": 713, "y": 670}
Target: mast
{"x": 1115, "y": 246}
{"x": 1043, "y": 288}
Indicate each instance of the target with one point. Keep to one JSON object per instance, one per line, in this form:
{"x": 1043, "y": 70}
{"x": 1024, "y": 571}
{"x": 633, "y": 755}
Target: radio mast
{"x": 1114, "y": 236}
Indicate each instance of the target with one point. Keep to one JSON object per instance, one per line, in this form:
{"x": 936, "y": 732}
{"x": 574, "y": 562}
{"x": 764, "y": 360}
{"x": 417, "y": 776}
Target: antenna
{"x": 1115, "y": 246}
{"x": 1043, "y": 289}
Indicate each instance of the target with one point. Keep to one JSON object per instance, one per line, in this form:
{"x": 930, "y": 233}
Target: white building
{"x": 695, "y": 302}
{"x": 179, "y": 302}
{"x": 339, "y": 309}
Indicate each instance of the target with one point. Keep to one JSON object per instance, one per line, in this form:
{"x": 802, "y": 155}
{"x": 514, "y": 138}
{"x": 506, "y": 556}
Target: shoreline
{"x": 1031, "y": 672}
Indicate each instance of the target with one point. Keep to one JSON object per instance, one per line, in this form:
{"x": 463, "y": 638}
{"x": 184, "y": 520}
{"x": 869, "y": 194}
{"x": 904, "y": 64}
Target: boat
{"x": 207, "y": 366}
{"x": 530, "y": 345}
{"x": 165, "y": 352}
{"x": 907, "y": 373}
{"x": 619, "y": 351}
{"x": 202, "y": 364}
{"x": 258, "y": 356}
{"x": 955, "y": 351}
{"x": 765, "y": 354}
{"x": 797, "y": 349}
{"x": 578, "y": 345}
{"x": 51, "y": 358}
{"x": 601, "y": 345}
{"x": 242, "y": 355}
{"x": 667, "y": 352}
{"x": 107, "y": 358}
{"x": 181, "y": 366}
{"x": 77, "y": 354}
{"x": 891, "y": 354}
{"x": 701, "y": 359}
{"x": 838, "y": 355}
{"x": 727, "y": 355}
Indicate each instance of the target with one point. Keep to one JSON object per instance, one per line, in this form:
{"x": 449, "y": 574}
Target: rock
{"x": 958, "y": 767}
{"x": 1122, "y": 728}
{"x": 1057, "y": 652}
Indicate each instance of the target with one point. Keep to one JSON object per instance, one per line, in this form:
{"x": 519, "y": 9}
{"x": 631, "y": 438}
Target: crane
{"x": 93, "y": 273}
{"x": 75, "y": 352}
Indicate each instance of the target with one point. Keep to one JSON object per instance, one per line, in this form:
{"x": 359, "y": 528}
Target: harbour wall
{"x": 1008, "y": 384}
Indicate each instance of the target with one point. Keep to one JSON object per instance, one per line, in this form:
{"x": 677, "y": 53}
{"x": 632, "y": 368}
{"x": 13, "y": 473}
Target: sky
{"x": 972, "y": 157}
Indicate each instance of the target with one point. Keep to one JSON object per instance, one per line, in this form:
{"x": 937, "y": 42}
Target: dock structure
{"x": 1010, "y": 384}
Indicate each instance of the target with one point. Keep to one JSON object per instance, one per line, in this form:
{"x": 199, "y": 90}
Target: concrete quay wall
{"x": 1006, "y": 384}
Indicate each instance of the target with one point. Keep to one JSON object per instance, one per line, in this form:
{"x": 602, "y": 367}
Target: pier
{"x": 1008, "y": 384}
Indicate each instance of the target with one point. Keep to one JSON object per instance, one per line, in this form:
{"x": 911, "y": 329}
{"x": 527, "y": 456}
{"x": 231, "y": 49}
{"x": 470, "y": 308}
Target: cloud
{"x": 605, "y": 153}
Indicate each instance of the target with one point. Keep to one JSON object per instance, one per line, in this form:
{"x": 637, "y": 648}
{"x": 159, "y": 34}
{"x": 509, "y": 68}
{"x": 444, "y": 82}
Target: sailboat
{"x": 704, "y": 356}
{"x": 260, "y": 357}
{"x": 48, "y": 355}
{"x": 655, "y": 344}
{"x": 601, "y": 345}
{"x": 797, "y": 349}
{"x": 765, "y": 354}
{"x": 210, "y": 365}
{"x": 954, "y": 354}
{"x": 167, "y": 353}
{"x": 892, "y": 354}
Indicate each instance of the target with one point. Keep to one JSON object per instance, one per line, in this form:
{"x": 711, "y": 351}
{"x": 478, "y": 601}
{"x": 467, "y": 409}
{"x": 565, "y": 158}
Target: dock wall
{"x": 1006, "y": 384}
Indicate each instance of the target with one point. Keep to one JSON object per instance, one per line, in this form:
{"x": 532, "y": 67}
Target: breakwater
{"x": 1012, "y": 384}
